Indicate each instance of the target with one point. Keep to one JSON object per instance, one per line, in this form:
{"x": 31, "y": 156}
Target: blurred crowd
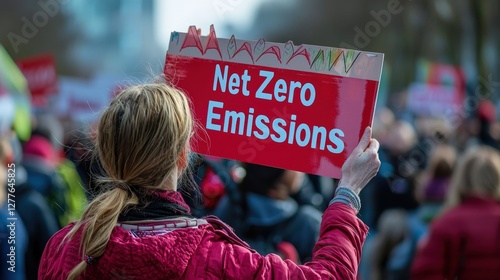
{"x": 432, "y": 209}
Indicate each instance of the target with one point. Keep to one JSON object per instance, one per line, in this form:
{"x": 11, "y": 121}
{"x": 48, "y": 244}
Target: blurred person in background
{"x": 464, "y": 242}
{"x": 478, "y": 128}
{"x": 50, "y": 173}
{"x": 18, "y": 237}
{"x": 213, "y": 176}
{"x": 399, "y": 231}
{"x": 76, "y": 148}
{"x": 44, "y": 195}
{"x": 394, "y": 185}
{"x": 12, "y": 264}
{"x": 139, "y": 226}
{"x": 78, "y": 151}
{"x": 383, "y": 122}
{"x": 38, "y": 218}
{"x": 315, "y": 191}
{"x": 40, "y": 221}
{"x": 495, "y": 131}
{"x": 486, "y": 115}
{"x": 40, "y": 160}
{"x": 393, "y": 188}
{"x": 385, "y": 260}
{"x": 269, "y": 214}
{"x": 433, "y": 184}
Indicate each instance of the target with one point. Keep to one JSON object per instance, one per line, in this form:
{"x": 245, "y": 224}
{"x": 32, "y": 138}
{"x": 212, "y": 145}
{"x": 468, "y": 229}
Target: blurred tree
{"x": 457, "y": 32}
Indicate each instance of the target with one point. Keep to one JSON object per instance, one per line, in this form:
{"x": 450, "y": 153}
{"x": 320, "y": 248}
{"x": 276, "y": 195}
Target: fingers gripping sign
{"x": 363, "y": 163}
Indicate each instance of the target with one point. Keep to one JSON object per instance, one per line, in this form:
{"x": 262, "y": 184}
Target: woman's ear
{"x": 182, "y": 163}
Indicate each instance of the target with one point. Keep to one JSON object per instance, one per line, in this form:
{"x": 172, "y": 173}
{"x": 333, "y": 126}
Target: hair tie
{"x": 89, "y": 260}
{"x": 122, "y": 185}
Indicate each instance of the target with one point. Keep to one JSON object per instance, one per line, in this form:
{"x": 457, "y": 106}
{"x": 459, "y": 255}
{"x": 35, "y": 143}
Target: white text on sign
{"x": 261, "y": 126}
{"x": 281, "y": 88}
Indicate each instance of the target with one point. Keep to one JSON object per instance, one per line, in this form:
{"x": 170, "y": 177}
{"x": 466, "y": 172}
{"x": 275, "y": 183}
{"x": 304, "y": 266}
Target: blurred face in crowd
{"x": 289, "y": 183}
{"x": 383, "y": 121}
{"x": 400, "y": 138}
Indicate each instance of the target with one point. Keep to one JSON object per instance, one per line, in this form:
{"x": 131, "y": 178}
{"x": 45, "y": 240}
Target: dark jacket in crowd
{"x": 299, "y": 224}
{"x": 40, "y": 224}
{"x": 12, "y": 265}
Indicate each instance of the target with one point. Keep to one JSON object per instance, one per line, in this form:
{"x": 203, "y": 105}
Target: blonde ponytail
{"x": 98, "y": 220}
{"x": 77, "y": 271}
{"x": 139, "y": 142}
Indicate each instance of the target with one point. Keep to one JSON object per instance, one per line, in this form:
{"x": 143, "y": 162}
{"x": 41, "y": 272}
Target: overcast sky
{"x": 175, "y": 15}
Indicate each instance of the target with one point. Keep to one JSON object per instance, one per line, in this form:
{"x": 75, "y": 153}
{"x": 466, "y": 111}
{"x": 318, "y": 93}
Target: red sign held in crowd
{"x": 294, "y": 107}
{"x": 438, "y": 92}
{"x": 40, "y": 72}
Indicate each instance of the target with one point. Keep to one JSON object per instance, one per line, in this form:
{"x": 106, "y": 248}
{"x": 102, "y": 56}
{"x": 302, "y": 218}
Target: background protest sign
{"x": 438, "y": 92}
{"x": 40, "y": 72}
{"x": 84, "y": 100}
{"x": 294, "y": 107}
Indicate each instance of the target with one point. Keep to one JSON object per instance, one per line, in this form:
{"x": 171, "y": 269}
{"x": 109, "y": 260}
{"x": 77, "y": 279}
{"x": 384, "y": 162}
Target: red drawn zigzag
{"x": 273, "y": 50}
{"x": 192, "y": 39}
{"x": 245, "y": 47}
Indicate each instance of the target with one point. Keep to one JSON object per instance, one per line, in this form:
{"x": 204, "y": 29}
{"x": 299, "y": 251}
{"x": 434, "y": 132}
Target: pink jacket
{"x": 464, "y": 243}
{"x": 211, "y": 251}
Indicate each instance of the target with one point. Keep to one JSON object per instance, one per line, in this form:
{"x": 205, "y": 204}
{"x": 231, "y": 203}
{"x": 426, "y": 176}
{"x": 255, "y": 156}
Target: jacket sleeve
{"x": 436, "y": 257}
{"x": 336, "y": 254}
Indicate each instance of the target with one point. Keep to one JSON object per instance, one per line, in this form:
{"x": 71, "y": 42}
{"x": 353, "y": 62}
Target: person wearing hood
{"x": 267, "y": 204}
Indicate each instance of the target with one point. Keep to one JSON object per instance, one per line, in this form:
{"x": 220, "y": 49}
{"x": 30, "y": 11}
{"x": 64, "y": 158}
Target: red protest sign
{"x": 294, "y": 107}
{"x": 438, "y": 92}
{"x": 40, "y": 72}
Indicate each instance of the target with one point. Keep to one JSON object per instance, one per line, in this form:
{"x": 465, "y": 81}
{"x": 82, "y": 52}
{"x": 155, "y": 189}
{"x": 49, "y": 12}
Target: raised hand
{"x": 363, "y": 163}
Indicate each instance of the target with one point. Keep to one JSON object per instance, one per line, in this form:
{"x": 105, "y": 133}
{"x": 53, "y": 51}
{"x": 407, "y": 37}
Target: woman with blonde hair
{"x": 139, "y": 227}
{"x": 464, "y": 243}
